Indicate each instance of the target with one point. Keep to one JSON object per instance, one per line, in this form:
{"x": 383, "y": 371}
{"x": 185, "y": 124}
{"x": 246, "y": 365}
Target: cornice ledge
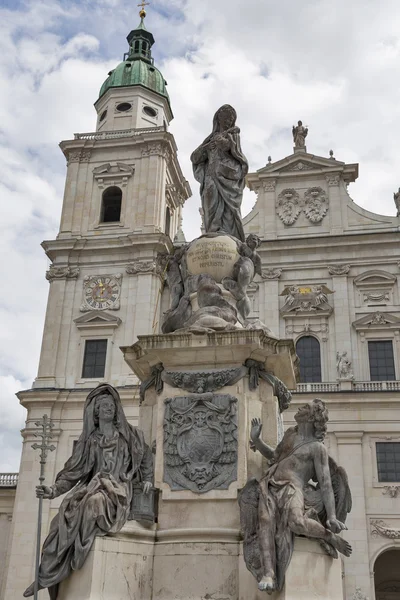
{"x": 349, "y": 437}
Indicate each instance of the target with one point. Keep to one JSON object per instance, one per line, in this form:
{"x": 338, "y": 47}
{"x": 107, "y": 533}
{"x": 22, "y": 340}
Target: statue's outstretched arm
{"x": 256, "y": 442}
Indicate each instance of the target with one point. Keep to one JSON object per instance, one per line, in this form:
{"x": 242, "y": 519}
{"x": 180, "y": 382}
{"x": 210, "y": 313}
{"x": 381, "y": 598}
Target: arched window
{"x": 144, "y": 48}
{"x": 387, "y": 580}
{"x": 309, "y": 353}
{"x": 167, "y": 221}
{"x": 137, "y": 46}
{"x": 111, "y": 205}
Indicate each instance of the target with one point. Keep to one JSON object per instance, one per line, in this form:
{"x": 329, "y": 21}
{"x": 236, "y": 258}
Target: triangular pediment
{"x": 299, "y": 162}
{"x": 96, "y": 318}
{"x": 376, "y": 320}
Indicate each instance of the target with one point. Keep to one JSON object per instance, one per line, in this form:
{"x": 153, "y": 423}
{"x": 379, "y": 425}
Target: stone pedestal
{"x": 201, "y": 410}
{"x": 189, "y": 564}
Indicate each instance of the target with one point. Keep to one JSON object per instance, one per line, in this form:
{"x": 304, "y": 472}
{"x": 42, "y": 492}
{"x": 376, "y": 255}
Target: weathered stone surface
{"x": 214, "y": 255}
{"x": 200, "y": 442}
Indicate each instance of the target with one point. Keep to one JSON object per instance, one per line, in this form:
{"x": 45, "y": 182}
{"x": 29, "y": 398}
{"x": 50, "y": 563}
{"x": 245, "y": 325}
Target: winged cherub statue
{"x": 284, "y": 503}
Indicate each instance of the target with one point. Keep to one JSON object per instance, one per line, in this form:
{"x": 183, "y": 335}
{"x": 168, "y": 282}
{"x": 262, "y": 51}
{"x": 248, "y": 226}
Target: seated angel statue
{"x": 110, "y": 456}
{"x": 304, "y": 492}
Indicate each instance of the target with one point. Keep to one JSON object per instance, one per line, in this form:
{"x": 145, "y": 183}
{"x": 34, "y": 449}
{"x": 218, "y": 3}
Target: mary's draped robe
{"x": 99, "y": 477}
{"x": 221, "y": 172}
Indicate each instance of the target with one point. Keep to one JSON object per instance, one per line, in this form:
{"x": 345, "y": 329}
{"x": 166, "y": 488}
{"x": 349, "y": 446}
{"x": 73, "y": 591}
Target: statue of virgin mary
{"x": 110, "y": 456}
{"x": 220, "y": 167}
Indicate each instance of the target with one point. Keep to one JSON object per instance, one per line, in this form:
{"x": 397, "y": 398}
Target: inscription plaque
{"x": 215, "y": 256}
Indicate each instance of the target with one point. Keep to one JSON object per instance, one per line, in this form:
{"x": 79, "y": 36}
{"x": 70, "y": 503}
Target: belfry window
{"x": 309, "y": 353}
{"x": 137, "y": 47}
{"x": 111, "y": 205}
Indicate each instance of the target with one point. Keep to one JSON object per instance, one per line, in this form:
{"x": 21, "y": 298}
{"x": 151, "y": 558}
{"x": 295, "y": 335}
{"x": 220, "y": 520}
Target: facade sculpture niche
{"x": 284, "y": 503}
{"x": 200, "y": 442}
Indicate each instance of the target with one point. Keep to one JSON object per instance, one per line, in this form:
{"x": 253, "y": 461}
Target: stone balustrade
{"x": 356, "y": 386}
{"x": 122, "y": 133}
{"x": 8, "y": 480}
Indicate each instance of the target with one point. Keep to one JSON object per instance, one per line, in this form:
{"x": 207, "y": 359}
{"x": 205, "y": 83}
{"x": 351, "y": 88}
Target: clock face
{"x": 102, "y": 291}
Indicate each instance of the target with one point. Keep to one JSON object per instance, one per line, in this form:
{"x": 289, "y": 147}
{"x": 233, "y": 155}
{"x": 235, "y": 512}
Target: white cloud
{"x": 332, "y": 64}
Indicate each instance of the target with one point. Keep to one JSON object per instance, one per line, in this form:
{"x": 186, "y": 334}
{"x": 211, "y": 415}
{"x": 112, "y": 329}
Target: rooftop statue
{"x": 110, "y": 456}
{"x": 299, "y": 135}
{"x": 284, "y": 503}
{"x": 220, "y": 167}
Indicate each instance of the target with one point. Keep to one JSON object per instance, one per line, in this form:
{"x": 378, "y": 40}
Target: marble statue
{"x": 299, "y": 135}
{"x": 343, "y": 366}
{"x": 220, "y": 167}
{"x": 304, "y": 492}
{"x": 109, "y": 458}
{"x": 245, "y": 268}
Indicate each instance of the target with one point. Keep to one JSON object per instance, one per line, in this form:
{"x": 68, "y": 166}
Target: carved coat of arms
{"x": 200, "y": 442}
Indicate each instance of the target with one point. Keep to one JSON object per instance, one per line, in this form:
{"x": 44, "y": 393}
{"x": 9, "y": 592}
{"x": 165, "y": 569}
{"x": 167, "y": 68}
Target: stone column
{"x": 336, "y": 210}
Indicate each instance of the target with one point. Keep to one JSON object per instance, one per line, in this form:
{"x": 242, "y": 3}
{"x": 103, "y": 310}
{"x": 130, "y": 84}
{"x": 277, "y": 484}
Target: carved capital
{"x": 359, "y": 595}
{"x": 332, "y": 180}
{"x": 269, "y": 186}
{"x": 79, "y": 156}
{"x": 271, "y": 273}
{"x": 66, "y": 272}
{"x": 156, "y": 149}
{"x": 143, "y": 267}
{"x": 338, "y": 269}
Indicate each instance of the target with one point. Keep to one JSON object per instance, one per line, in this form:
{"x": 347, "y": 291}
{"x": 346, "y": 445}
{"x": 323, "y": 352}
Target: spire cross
{"x": 142, "y": 5}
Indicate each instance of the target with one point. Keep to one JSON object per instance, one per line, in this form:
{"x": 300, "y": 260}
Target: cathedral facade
{"x": 329, "y": 282}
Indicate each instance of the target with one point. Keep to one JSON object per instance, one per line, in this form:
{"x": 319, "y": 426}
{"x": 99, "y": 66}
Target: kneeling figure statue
{"x": 109, "y": 458}
{"x": 304, "y": 492}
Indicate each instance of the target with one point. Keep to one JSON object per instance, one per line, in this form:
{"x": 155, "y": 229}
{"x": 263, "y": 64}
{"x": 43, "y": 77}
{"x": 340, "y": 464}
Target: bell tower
{"x": 122, "y": 206}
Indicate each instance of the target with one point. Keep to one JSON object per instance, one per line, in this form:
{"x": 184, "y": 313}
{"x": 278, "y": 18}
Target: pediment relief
{"x": 377, "y": 320}
{"x": 95, "y": 318}
{"x": 305, "y": 162}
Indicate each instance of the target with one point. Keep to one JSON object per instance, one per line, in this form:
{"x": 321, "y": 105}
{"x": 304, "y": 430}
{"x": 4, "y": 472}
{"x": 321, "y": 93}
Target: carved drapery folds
{"x": 288, "y": 206}
{"x": 200, "y": 442}
{"x": 314, "y": 204}
{"x": 66, "y": 272}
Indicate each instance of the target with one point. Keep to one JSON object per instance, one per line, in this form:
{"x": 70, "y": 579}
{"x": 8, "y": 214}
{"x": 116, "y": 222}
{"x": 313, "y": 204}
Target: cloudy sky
{"x": 335, "y": 65}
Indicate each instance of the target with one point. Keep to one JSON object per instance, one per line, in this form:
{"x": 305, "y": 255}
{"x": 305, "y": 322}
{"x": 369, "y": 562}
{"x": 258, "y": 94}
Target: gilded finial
{"x": 142, "y": 12}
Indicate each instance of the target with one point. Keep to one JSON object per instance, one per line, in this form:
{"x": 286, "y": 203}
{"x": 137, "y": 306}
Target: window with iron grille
{"x": 94, "y": 360}
{"x": 381, "y": 361}
{"x": 388, "y": 460}
{"x": 308, "y": 351}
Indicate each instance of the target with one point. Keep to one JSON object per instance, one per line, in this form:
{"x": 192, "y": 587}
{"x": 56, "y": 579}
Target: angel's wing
{"x": 248, "y": 504}
{"x": 341, "y": 490}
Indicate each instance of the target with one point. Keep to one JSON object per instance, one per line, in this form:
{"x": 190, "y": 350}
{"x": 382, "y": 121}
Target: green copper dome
{"x": 138, "y": 65}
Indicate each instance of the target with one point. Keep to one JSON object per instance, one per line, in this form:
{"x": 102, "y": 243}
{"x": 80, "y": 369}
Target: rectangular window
{"x": 388, "y": 459}
{"x": 94, "y": 360}
{"x": 381, "y": 361}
